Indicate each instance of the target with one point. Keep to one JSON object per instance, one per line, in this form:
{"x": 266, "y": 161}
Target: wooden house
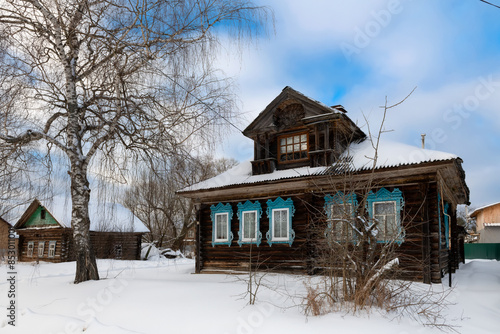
{"x": 303, "y": 151}
{"x": 488, "y": 223}
{"x": 45, "y": 232}
{"x": 8, "y": 239}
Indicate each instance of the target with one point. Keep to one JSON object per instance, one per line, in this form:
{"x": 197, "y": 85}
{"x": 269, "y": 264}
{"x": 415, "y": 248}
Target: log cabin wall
{"x": 107, "y": 245}
{"x": 60, "y": 236}
{"x": 280, "y": 257}
{"x": 421, "y": 257}
{"x": 116, "y": 245}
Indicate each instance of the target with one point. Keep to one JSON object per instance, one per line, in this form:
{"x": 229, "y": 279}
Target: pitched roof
{"x": 358, "y": 157}
{"x": 478, "y": 210}
{"x": 312, "y": 108}
{"x": 104, "y": 217}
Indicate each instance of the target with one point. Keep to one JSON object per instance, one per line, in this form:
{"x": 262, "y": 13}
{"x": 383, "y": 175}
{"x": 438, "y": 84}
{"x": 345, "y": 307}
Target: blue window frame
{"x": 446, "y": 221}
{"x": 221, "y": 216}
{"x": 249, "y": 216}
{"x": 385, "y": 208}
{"x": 447, "y": 224}
{"x": 280, "y": 213}
{"x": 340, "y": 211}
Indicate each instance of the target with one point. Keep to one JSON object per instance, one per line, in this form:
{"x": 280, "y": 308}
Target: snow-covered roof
{"x": 492, "y": 224}
{"x": 359, "y": 156}
{"x": 391, "y": 154}
{"x": 104, "y": 217}
{"x": 476, "y": 212}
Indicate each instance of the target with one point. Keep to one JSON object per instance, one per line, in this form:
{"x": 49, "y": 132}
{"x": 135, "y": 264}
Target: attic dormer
{"x": 295, "y": 131}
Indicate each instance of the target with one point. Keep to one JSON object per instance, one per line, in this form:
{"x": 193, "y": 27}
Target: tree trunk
{"x": 86, "y": 265}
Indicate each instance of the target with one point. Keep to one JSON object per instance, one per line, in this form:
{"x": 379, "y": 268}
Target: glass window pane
{"x": 391, "y": 229}
{"x": 282, "y": 149}
{"x": 289, "y": 149}
{"x": 296, "y": 139}
{"x": 221, "y": 222}
{"x": 276, "y": 223}
{"x": 249, "y": 223}
{"x": 283, "y": 141}
{"x": 289, "y": 140}
{"x": 296, "y": 147}
{"x": 284, "y": 224}
{"x": 303, "y": 138}
{"x": 303, "y": 147}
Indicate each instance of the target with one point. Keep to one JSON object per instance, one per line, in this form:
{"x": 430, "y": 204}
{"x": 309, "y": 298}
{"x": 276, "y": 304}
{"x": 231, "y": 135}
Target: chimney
{"x": 423, "y": 140}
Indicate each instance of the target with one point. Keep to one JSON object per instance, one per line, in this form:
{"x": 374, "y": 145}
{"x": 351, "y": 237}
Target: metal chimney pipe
{"x": 423, "y": 140}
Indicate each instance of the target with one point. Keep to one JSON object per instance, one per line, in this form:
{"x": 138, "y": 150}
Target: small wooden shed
{"x": 45, "y": 232}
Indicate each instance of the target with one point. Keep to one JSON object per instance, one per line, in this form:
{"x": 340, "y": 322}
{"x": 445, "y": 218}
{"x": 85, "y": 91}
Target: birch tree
{"x": 104, "y": 79}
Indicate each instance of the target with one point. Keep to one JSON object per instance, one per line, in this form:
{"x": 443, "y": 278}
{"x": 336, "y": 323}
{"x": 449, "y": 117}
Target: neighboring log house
{"x": 45, "y": 232}
{"x": 8, "y": 240}
{"x": 303, "y": 151}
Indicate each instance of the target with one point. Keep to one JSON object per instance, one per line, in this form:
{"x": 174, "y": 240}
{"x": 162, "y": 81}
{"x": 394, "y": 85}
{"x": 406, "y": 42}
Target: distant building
{"x": 488, "y": 223}
{"x": 5, "y": 241}
{"x": 45, "y": 232}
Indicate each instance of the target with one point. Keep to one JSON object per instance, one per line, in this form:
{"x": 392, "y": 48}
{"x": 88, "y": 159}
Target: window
{"x": 249, "y": 216}
{"x": 385, "y": 208}
{"x": 280, "y": 225}
{"x": 52, "y": 249}
{"x": 385, "y": 214}
{"x": 43, "y": 214}
{"x": 31, "y": 246}
{"x": 280, "y": 213}
{"x": 221, "y": 228}
{"x": 221, "y": 224}
{"x": 190, "y": 234}
{"x": 41, "y": 248}
{"x": 293, "y": 148}
{"x": 118, "y": 251}
{"x": 340, "y": 212}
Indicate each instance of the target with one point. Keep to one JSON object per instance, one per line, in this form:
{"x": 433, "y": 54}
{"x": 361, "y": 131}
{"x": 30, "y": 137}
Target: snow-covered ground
{"x": 163, "y": 296}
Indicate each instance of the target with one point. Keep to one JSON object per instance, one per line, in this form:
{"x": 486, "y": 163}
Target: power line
{"x": 489, "y": 3}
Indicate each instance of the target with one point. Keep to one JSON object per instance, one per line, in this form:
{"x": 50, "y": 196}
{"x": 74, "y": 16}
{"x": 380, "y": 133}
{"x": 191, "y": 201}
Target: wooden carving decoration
{"x": 288, "y": 115}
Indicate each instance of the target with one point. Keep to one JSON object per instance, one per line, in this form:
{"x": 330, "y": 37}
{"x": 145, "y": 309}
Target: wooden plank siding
{"x": 421, "y": 258}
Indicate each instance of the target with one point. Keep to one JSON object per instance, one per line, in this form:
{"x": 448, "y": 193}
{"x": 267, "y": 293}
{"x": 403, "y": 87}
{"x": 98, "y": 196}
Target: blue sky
{"x": 357, "y": 53}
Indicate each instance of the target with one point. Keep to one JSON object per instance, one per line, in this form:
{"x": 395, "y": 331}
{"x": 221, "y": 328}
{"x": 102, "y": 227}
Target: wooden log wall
{"x": 279, "y": 257}
{"x": 60, "y": 236}
{"x": 103, "y": 243}
{"x": 421, "y": 257}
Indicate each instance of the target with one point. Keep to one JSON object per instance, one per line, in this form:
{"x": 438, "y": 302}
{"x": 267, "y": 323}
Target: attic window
{"x": 293, "y": 148}
{"x": 43, "y": 214}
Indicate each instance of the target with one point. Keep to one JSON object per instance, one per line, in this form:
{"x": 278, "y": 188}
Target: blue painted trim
{"x": 221, "y": 208}
{"x": 338, "y": 198}
{"x": 279, "y": 203}
{"x": 249, "y": 206}
{"x": 384, "y": 195}
{"x": 439, "y": 218}
{"x": 447, "y": 224}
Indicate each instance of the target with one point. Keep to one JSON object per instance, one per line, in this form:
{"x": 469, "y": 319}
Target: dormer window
{"x": 293, "y": 148}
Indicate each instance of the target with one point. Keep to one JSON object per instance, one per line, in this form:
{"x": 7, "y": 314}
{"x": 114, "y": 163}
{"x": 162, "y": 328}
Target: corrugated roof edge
{"x": 324, "y": 171}
{"x": 476, "y": 211}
